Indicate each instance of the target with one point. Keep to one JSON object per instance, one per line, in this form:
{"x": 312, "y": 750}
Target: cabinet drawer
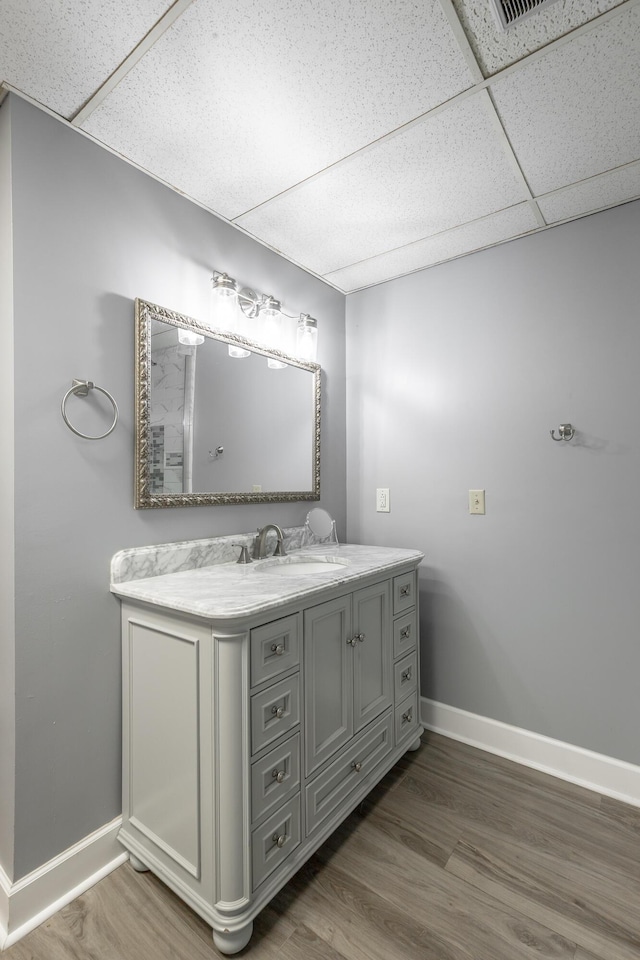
{"x": 404, "y": 592}
{"x": 275, "y": 648}
{"x": 334, "y": 784}
{"x": 274, "y": 711}
{"x": 275, "y": 840}
{"x": 406, "y": 676}
{"x": 406, "y": 718}
{"x": 275, "y": 778}
{"x": 405, "y": 634}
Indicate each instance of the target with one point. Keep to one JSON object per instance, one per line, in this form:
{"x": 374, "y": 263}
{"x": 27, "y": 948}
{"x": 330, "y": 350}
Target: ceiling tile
{"x": 495, "y": 48}
{"x": 60, "y": 51}
{"x": 575, "y": 112}
{"x": 448, "y": 169}
{"x": 241, "y": 99}
{"x": 607, "y": 190}
{"x": 472, "y": 236}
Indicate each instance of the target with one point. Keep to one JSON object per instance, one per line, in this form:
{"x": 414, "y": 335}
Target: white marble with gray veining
{"x": 138, "y": 563}
{"x": 222, "y": 589}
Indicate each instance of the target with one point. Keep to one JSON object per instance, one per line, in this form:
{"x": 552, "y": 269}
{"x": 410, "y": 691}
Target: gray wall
{"x": 274, "y": 447}
{"x": 90, "y": 234}
{"x": 7, "y": 659}
{"x": 455, "y": 376}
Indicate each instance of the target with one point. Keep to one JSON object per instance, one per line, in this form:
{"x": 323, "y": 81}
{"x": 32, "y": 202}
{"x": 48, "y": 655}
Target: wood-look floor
{"x": 457, "y": 855}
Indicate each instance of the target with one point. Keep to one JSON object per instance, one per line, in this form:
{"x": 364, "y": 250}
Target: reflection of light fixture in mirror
{"x": 271, "y": 313}
{"x": 307, "y": 337}
{"x": 225, "y": 310}
{"x": 188, "y": 338}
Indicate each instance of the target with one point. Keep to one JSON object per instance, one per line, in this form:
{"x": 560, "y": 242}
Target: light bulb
{"x": 307, "y": 338}
{"x": 270, "y": 312}
{"x": 226, "y": 314}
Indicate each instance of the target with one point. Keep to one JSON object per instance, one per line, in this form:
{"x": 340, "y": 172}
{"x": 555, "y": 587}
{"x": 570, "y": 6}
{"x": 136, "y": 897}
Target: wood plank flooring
{"x": 457, "y": 855}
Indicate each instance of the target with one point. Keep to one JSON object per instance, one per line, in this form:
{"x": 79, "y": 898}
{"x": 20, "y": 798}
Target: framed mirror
{"x": 220, "y": 419}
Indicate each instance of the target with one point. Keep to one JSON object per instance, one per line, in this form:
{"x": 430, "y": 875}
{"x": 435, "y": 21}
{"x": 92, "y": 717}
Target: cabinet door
{"x": 328, "y": 679}
{"x": 372, "y": 653}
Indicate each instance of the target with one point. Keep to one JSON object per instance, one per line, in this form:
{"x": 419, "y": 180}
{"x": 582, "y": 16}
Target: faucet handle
{"x": 244, "y": 553}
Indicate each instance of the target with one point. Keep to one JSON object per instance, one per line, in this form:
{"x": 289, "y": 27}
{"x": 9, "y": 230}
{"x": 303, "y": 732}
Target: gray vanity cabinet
{"x": 347, "y": 669}
{"x": 247, "y": 739}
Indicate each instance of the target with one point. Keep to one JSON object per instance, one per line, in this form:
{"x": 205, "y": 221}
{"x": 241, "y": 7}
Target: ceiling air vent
{"x": 510, "y": 12}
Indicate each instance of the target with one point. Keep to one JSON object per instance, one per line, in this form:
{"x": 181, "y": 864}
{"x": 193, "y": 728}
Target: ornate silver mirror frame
{"x": 146, "y": 496}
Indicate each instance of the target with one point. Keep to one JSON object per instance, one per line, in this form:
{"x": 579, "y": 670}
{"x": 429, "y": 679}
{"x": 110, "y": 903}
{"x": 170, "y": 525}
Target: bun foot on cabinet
{"x": 138, "y": 865}
{"x": 232, "y": 942}
{"x": 415, "y": 745}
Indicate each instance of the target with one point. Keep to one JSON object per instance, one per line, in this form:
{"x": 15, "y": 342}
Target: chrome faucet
{"x": 260, "y": 542}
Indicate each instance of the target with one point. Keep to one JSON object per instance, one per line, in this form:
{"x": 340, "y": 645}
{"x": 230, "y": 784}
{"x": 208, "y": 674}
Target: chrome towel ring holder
{"x": 80, "y": 388}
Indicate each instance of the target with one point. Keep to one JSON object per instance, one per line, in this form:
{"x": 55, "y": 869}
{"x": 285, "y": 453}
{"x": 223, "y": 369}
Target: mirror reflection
{"x": 216, "y": 427}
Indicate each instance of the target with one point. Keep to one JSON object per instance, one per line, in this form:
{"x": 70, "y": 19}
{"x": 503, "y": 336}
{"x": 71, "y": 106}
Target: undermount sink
{"x": 297, "y": 566}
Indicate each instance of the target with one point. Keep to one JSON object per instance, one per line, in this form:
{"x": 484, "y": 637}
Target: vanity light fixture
{"x": 271, "y": 330}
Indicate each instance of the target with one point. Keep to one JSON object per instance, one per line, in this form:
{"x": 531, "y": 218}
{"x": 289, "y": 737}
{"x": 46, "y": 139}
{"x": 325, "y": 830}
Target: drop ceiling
{"x": 361, "y": 139}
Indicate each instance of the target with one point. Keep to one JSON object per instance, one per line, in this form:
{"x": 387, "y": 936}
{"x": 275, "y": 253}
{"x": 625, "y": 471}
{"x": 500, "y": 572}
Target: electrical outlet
{"x": 382, "y": 499}
{"x": 257, "y": 488}
{"x": 476, "y": 501}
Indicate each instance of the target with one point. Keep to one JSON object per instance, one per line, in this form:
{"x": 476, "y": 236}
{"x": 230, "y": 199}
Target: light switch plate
{"x": 476, "y": 501}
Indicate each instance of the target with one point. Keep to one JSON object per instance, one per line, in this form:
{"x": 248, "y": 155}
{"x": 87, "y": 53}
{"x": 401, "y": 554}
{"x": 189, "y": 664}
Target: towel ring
{"x": 81, "y": 389}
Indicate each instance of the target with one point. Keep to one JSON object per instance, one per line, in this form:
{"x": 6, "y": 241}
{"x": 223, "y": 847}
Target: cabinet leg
{"x": 415, "y": 745}
{"x": 233, "y": 942}
{"x": 138, "y": 865}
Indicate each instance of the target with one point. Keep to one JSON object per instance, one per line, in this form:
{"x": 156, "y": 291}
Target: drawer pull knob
{"x": 405, "y": 675}
{"x": 357, "y": 766}
{"x": 351, "y": 641}
{"x": 405, "y": 633}
{"x": 279, "y": 839}
{"x": 277, "y": 648}
{"x": 278, "y": 712}
{"x": 405, "y": 591}
{"x": 278, "y": 775}
{"x": 361, "y": 637}
{"x": 408, "y": 716}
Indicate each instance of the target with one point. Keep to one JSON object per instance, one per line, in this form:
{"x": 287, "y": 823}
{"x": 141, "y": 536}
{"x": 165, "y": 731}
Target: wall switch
{"x": 257, "y": 488}
{"x": 476, "y": 501}
{"x": 382, "y": 499}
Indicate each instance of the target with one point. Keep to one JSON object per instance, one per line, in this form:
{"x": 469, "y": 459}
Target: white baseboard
{"x": 5, "y": 887}
{"x": 595, "y": 771}
{"x": 30, "y": 901}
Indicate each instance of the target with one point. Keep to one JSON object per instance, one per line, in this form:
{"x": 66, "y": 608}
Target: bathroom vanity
{"x": 261, "y": 703}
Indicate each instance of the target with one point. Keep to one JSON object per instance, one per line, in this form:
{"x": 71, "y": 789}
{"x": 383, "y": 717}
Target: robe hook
{"x": 565, "y": 430}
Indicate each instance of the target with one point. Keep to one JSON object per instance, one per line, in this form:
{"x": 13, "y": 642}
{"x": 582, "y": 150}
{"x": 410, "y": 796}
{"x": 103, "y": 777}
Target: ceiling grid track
{"x": 430, "y": 236}
{"x": 166, "y": 20}
{"x": 597, "y": 176}
{"x": 462, "y": 40}
{"x": 474, "y": 66}
{"x": 512, "y": 157}
{"x": 482, "y": 84}
{"x": 437, "y": 263}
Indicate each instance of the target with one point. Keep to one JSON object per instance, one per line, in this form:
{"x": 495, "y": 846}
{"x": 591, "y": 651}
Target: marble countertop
{"x": 228, "y": 590}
